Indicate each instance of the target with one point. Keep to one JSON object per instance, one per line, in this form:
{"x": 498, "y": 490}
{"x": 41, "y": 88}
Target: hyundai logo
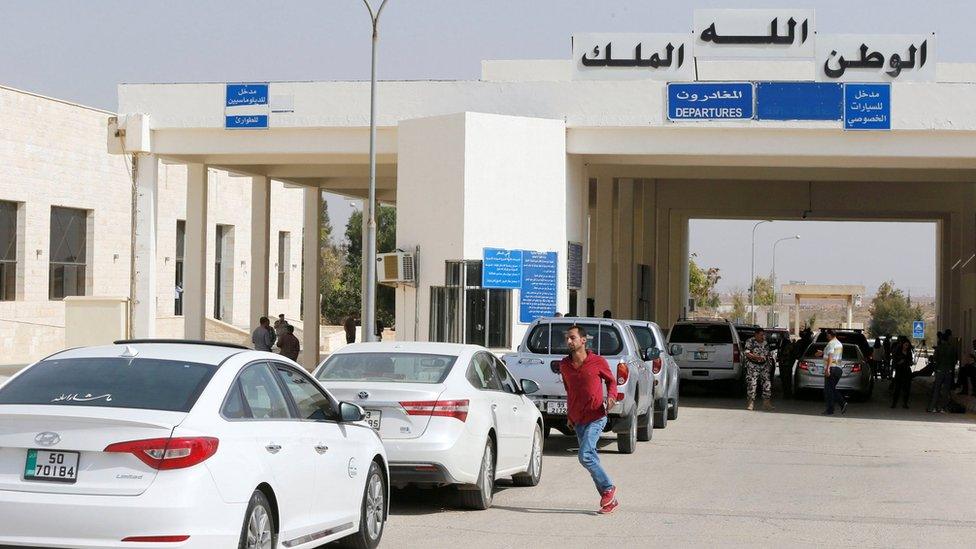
{"x": 363, "y": 395}
{"x": 47, "y": 438}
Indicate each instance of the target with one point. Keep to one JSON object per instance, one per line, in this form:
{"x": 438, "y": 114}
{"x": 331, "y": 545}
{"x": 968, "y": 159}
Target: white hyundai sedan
{"x": 167, "y": 444}
{"x": 447, "y": 414}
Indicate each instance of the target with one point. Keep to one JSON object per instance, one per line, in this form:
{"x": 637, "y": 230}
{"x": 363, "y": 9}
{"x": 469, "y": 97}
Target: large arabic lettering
{"x": 654, "y": 61}
{"x": 711, "y": 35}
{"x": 877, "y": 58}
{"x": 753, "y": 33}
{"x": 75, "y": 397}
{"x": 654, "y": 56}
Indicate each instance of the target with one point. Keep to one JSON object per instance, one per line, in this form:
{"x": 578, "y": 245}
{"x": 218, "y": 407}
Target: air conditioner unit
{"x": 396, "y": 268}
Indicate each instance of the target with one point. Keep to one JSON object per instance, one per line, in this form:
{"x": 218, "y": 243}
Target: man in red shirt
{"x": 585, "y": 373}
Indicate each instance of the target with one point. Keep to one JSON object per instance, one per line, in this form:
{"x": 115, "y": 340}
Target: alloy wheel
{"x": 536, "y": 453}
{"x": 487, "y": 474}
{"x": 259, "y": 529}
{"x": 374, "y": 506}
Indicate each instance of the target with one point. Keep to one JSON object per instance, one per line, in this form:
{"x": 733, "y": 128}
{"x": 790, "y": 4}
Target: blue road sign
{"x": 246, "y": 121}
{"x": 710, "y": 101}
{"x": 799, "y": 101}
{"x": 501, "y": 269}
{"x": 867, "y": 106}
{"x": 247, "y": 94}
{"x": 538, "y": 295}
{"x": 918, "y": 329}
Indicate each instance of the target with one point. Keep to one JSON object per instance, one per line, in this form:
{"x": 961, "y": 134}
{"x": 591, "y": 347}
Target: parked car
{"x": 544, "y": 346}
{"x": 448, "y": 414}
{"x": 857, "y": 377}
{"x": 664, "y": 369}
{"x": 163, "y": 444}
{"x": 707, "y": 350}
{"x": 845, "y": 336}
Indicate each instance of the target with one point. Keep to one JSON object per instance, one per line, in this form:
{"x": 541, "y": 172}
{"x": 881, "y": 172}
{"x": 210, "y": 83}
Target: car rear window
{"x": 387, "y": 367}
{"x": 111, "y": 382}
{"x": 850, "y": 351}
{"x": 701, "y": 333}
{"x": 645, "y": 337}
{"x": 602, "y": 339}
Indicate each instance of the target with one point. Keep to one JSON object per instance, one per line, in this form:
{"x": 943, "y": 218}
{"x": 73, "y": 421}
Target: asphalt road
{"x": 723, "y": 477}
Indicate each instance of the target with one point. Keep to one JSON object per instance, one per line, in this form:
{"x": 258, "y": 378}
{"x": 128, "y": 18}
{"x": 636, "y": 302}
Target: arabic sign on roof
{"x": 654, "y": 56}
{"x": 875, "y": 58}
{"x": 754, "y": 33}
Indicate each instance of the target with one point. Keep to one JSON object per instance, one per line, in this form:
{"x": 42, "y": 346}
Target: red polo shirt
{"x": 584, "y": 387}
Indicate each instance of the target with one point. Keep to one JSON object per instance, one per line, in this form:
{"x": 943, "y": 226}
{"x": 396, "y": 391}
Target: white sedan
{"x": 152, "y": 444}
{"x": 447, "y": 414}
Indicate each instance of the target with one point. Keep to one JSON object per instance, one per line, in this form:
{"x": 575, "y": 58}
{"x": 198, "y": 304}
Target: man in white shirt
{"x": 832, "y": 354}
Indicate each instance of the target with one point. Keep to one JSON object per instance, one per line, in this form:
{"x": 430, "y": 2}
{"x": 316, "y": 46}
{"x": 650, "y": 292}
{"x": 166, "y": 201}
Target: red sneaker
{"x": 608, "y": 496}
{"x": 608, "y": 508}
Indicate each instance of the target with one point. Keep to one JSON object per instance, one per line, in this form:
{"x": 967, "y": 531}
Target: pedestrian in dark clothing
{"x": 379, "y": 329}
{"x": 832, "y": 354}
{"x": 967, "y": 373}
{"x": 902, "y": 362}
{"x": 786, "y": 360}
{"x": 886, "y": 370}
{"x": 288, "y": 343}
{"x": 585, "y": 374}
{"x": 607, "y": 314}
{"x": 945, "y": 365}
{"x": 263, "y": 337}
{"x": 349, "y": 325}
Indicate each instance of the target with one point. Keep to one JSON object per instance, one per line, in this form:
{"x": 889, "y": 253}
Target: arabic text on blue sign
{"x": 799, "y": 101}
{"x": 918, "y": 329}
{"x": 254, "y": 121}
{"x": 501, "y": 269}
{"x": 239, "y": 95}
{"x": 710, "y": 101}
{"x": 538, "y": 295}
{"x": 867, "y": 106}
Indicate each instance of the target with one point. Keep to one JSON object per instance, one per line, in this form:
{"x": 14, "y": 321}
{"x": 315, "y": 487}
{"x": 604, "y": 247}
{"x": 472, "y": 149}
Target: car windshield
{"x": 110, "y": 382}
{"x": 645, "y": 337}
{"x": 602, "y": 339}
{"x": 701, "y": 333}
{"x": 387, "y": 367}
{"x": 850, "y": 351}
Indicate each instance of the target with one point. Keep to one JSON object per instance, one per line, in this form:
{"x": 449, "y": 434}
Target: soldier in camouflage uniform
{"x": 758, "y": 357}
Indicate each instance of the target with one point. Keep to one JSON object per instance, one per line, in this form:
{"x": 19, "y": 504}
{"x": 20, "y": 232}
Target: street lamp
{"x": 369, "y": 217}
{"x": 752, "y": 278}
{"x": 772, "y": 276}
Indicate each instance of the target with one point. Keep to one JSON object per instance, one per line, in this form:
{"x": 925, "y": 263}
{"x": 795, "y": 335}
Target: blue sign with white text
{"x": 710, "y": 101}
{"x": 246, "y": 121}
{"x": 918, "y": 329}
{"x": 241, "y": 95}
{"x": 799, "y": 101}
{"x": 538, "y": 295}
{"x": 501, "y": 269}
{"x": 867, "y": 106}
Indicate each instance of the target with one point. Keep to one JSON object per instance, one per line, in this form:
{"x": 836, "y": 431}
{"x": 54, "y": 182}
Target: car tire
{"x": 673, "y": 409}
{"x": 479, "y": 495}
{"x": 533, "y": 473}
{"x": 546, "y": 432}
{"x": 661, "y": 414}
{"x": 645, "y": 431}
{"x": 258, "y": 531}
{"x": 627, "y": 441}
{"x": 373, "y": 512}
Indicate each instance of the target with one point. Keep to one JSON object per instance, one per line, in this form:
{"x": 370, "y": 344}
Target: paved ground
{"x": 721, "y": 476}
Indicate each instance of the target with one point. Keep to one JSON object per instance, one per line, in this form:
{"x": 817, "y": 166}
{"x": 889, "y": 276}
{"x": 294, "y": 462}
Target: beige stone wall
{"x": 53, "y": 153}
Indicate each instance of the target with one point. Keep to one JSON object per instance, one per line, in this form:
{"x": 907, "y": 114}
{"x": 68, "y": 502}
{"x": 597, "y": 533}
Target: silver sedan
{"x": 857, "y": 377}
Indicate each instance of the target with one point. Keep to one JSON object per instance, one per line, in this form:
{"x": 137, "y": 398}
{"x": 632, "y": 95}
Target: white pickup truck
{"x": 538, "y": 359}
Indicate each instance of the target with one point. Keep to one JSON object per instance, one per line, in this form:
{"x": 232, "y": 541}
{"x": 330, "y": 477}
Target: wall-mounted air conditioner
{"x": 396, "y": 268}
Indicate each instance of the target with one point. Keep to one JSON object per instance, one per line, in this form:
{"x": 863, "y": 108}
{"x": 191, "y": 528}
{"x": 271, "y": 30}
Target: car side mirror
{"x": 674, "y": 349}
{"x": 529, "y": 387}
{"x": 652, "y": 353}
{"x": 349, "y": 412}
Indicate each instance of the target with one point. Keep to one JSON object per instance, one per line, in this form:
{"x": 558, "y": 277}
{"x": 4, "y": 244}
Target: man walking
{"x": 832, "y": 354}
{"x": 279, "y": 326}
{"x": 758, "y": 357}
{"x": 585, "y": 374}
{"x": 349, "y": 326}
{"x": 288, "y": 343}
{"x": 945, "y": 364}
{"x": 263, "y": 336}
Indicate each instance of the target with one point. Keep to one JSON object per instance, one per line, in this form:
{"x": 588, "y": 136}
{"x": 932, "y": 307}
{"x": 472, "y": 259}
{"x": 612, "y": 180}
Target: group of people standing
{"x": 281, "y": 335}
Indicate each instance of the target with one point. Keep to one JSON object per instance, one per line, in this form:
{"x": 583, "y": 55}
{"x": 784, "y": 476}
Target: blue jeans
{"x": 588, "y": 434}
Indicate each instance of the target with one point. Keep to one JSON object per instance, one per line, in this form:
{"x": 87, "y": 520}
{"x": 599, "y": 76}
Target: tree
{"x": 891, "y": 312}
{"x": 764, "y": 292}
{"x": 701, "y": 285}
{"x": 738, "y": 305}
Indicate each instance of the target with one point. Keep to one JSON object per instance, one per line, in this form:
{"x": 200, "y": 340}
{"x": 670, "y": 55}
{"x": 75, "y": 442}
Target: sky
{"x": 80, "y": 50}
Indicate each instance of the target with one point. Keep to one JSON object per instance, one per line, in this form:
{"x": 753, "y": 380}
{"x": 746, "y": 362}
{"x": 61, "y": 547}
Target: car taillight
{"x": 458, "y": 409}
{"x": 856, "y": 367}
{"x": 804, "y": 366}
{"x": 656, "y": 365}
{"x": 157, "y": 539}
{"x": 164, "y": 454}
{"x": 735, "y": 353}
{"x": 623, "y": 372}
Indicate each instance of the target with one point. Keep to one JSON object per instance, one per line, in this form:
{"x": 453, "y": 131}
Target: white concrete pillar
{"x": 602, "y": 248}
{"x": 850, "y": 311}
{"x": 623, "y": 308}
{"x": 195, "y": 255}
{"x": 143, "y": 291}
{"x": 260, "y": 248}
{"x": 683, "y": 257}
{"x": 310, "y": 279}
{"x": 796, "y": 314}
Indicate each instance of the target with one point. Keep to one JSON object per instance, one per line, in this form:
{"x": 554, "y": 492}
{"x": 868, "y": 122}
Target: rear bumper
{"x": 82, "y": 521}
{"x": 816, "y": 381}
{"x": 692, "y": 372}
{"x": 420, "y": 473}
{"x": 447, "y": 445}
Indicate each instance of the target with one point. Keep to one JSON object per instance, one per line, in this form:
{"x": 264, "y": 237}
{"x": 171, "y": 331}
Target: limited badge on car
{"x": 50, "y": 465}
{"x": 556, "y": 407}
{"x": 373, "y": 419}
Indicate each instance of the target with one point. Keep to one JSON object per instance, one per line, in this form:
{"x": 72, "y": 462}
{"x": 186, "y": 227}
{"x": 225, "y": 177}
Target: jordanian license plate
{"x": 51, "y": 466}
{"x": 373, "y": 419}
{"x": 556, "y": 407}
{"x": 701, "y": 355}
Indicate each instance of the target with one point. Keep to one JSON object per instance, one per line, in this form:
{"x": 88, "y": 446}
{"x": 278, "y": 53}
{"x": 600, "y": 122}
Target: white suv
{"x": 707, "y": 350}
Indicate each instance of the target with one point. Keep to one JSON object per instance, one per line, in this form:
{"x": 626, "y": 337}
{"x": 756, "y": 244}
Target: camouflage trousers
{"x": 754, "y": 374}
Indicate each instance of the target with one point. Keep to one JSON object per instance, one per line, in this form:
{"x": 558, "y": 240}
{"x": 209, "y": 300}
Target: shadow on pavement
{"x": 413, "y": 501}
{"x": 537, "y": 510}
{"x": 559, "y": 445}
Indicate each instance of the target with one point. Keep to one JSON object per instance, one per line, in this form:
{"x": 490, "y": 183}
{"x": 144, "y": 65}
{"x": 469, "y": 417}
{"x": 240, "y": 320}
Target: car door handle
{"x": 515, "y": 409}
{"x": 321, "y": 448}
{"x": 273, "y": 448}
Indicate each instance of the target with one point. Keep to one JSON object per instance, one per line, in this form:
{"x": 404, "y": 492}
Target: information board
{"x": 799, "y": 101}
{"x": 918, "y": 329}
{"x": 501, "y": 269}
{"x": 539, "y": 281}
{"x": 574, "y": 266}
{"x": 867, "y": 106}
{"x": 710, "y": 101}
